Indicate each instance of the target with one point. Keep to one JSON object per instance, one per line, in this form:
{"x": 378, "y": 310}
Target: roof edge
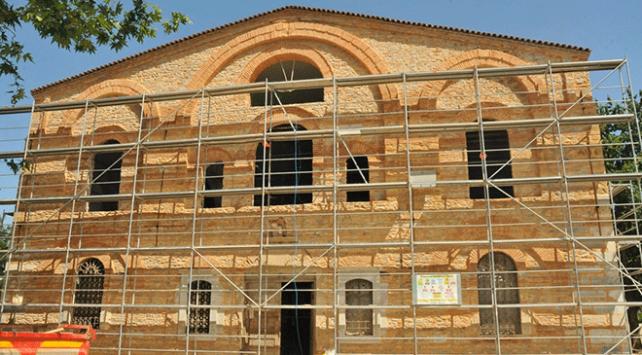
{"x": 310, "y": 9}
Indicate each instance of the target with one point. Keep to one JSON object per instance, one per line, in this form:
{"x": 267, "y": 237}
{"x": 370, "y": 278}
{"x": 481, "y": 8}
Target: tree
{"x": 618, "y": 155}
{"x": 78, "y": 25}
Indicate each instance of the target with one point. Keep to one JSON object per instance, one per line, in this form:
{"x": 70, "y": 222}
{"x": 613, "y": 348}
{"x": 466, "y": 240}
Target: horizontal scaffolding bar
{"x": 370, "y": 245}
{"x": 327, "y": 133}
{"x": 325, "y": 188}
{"x": 320, "y": 83}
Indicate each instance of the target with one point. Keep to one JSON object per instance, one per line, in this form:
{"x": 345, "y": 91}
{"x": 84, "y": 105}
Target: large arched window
{"x": 287, "y": 71}
{"x": 287, "y": 163}
{"x": 213, "y": 181}
{"x": 199, "y": 318}
{"x": 497, "y": 153}
{"x": 506, "y": 292}
{"x": 106, "y": 179}
{"x": 89, "y": 290}
{"x": 359, "y": 320}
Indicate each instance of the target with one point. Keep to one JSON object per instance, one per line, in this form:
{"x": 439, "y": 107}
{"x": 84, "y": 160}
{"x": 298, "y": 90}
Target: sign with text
{"x": 437, "y": 289}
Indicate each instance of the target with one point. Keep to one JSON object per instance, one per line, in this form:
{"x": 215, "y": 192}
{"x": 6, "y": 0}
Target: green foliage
{"x": 618, "y": 155}
{"x": 78, "y": 25}
{"x": 18, "y": 166}
{"x": 5, "y": 235}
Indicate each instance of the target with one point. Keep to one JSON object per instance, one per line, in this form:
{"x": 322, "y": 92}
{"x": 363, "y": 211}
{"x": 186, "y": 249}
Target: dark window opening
{"x": 106, "y": 179}
{"x": 357, "y": 174}
{"x": 296, "y": 322}
{"x": 213, "y": 181}
{"x": 199, "y": 317}
{"x": 506, "y": 293}
{"x": 287, "y": 71}
{"x": 89, "y": 290}
{"x": 288, "y": 163}
{"x": 359, "y": 320}
{"x": 497, "y": 154}
{"x": 632, "y": 261}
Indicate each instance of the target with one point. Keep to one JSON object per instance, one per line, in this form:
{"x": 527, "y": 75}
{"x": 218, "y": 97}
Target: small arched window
{"x": 359, "y": 320}
{"x": 89, "y": 290}
{"x": 288, "y": 163}
{"x": 357, "y": 172}
{"x": 497, "y": 151}
{"x": 506, "y": 292}
{"x": 106, "y": 178}
{"x": 287, "y": 71}
{"x": 199, "y": 318}
{"x": 213, "y": 181}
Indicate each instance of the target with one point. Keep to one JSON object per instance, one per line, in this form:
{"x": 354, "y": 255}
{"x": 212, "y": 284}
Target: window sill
{"x": 365, "y": 339}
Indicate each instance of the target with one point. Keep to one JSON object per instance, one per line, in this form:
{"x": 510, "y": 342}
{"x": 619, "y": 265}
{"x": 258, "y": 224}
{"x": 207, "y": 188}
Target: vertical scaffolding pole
{"x": 569, "y": 220}
{"x": 195, "y": 206}
{"x": 489, "y": 225}
{"x": 132, "y": 202}
{"x": 411, "y": 211}
{"x": 626, "y": 95}
{"x": 74, "y": 201}
{"x": 262, "y": 220}
{"x": 335, "y": 260}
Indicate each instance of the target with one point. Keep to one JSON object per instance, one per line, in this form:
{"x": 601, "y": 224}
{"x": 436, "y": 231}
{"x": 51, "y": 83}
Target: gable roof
{"x": 311, "y": 9}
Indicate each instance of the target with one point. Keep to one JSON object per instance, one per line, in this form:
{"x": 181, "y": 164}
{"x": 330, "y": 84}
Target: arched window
{"x": 287, "y": 71}
{"x": 506, "y": 291}
{"x": 213, "y": 181}
{"x": 199, "y": 318}
{"x": 106, "y": 179}
{"x": 357, "y": 173}
{"x": 359, "y": 320}
{"x": 497, "y": 151}
{"x": 89, "y": 290}
{"x": 288, "y": 163}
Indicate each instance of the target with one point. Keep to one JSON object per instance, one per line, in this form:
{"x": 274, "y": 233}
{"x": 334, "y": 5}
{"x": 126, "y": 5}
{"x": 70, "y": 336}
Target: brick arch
{"x": 482, "y": 58}
{"x": 213, "y": 153}
{"x": 116, "y": 132}
{"x": 521, "y": 92}
{"x": 351, "y": 44}
{"x": 518, "y": 256}
{"x": 113, "y": 88}
{"x": 278, "y": 118}
{"x": 275, "y": 53}
{"x": 268, "y": 56}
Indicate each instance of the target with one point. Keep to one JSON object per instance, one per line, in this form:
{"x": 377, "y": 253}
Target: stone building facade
{"x": 157, "y": 267}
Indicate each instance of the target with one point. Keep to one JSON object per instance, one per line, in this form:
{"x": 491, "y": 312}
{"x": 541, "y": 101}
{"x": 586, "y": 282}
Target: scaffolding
{"x": 169, "y": 260}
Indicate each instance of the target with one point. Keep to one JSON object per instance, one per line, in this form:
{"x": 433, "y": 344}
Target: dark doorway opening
{"x": 296, "y": 323}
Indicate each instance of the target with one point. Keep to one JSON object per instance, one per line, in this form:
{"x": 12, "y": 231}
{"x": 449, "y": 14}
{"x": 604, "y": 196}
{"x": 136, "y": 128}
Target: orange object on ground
{"x": 70, "y": 339}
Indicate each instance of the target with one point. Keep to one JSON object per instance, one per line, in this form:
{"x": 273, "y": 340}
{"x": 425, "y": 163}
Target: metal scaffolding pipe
{"x": 319, "y": 83}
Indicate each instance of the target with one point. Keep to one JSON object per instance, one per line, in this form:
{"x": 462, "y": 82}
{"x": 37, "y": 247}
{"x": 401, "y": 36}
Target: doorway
{"x": 296, "y": 323}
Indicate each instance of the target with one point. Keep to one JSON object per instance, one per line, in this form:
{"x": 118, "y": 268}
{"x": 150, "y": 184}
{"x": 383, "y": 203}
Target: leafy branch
{"x": 77, "y": 25}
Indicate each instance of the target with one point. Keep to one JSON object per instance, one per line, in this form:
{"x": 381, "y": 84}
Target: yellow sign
{"x": 437, "y": 289}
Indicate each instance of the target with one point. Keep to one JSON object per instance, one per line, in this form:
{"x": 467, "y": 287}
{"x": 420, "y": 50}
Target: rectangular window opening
{"x": 497, "y": 153}
{"x": 357, "y": 172}
{"x": 213, "y": 181}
